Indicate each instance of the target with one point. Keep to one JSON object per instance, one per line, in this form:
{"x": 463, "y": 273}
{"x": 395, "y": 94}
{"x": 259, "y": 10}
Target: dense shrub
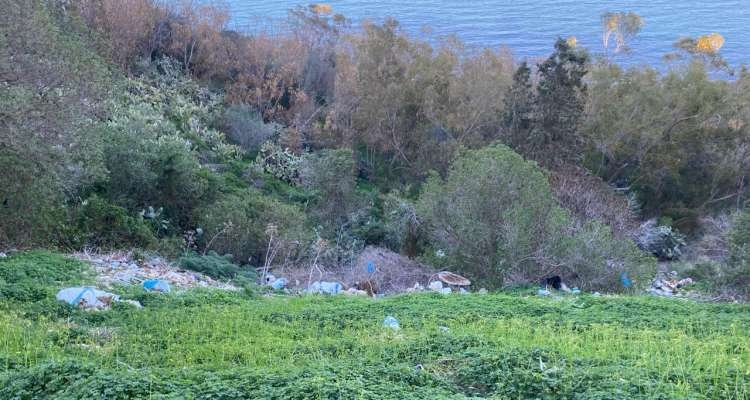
{"x": 241, "y": 224}
{"x": 53, "y": 90}
{"x": 495, "y": 219}
{"x": 331, "y": 176}
{"x": 105, "y": 225}
{"x": 494, "y": 216}
{"x": 661, "y": 240}
{"x": 245, "y": 127}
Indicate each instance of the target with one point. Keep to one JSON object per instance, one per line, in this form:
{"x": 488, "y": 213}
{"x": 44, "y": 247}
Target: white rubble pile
{"x": 121, "y": 268}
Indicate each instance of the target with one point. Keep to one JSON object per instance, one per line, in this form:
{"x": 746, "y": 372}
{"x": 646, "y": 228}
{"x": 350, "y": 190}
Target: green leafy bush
{"x": 238, "y": 224}
{"x": 331, "y": 176}
{"x": 105, "y": 225}
{"x": 495, "y": 219}
{"x": 494, "y": 216}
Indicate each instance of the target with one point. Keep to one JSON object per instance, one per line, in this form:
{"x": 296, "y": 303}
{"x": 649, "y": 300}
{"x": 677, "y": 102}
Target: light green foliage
{"x": 279, "y": 162}
{"x": 237, "y": 224}
{"x": 494, "y": 216}
{"x": 222, "y": 344}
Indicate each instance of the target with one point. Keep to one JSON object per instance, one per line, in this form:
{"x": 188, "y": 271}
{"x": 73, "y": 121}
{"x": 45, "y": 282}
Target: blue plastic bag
{"x": 157, "y": 285}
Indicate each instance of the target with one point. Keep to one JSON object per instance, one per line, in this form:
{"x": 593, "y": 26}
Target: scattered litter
{"x": 452, "y": 279}
{"x": 325, "y": 287}
{"x": 625, "y": 279}
{"x": 391, "y": 322}
{"x": 418, "y": 367}
{"x": 444, "y": 329}
{"x": 482, "y": 291}
{"x": 279, "y": 283}
{"x": 446, "y": 290}
{"x": 3, "y": 255}
{"x": 596, "y": 294}
{"x": 123, "y": 268}
{"x": 87, "y": 297}
{"x": 436, "y": 286}
{"x": 463, "y": 291}
{"x": 157, "y": 285}
{"x": 669, "y": 286}
{"x": 370, "y": 267}
{"x": 543, "y": 292}
{"x": 355, "y": 292}
{"x": 575, "y": 290}
{"x": 416, "y": 288}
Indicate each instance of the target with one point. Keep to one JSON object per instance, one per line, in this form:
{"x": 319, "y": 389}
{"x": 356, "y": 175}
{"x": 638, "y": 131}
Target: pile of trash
{"x": 123, "y": 268}
{"x": 668, "y": 285}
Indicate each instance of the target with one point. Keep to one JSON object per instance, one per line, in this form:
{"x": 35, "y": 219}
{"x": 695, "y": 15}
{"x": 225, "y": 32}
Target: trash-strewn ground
{"x": 205, "y": 343}
{"x": 123, "y": 268}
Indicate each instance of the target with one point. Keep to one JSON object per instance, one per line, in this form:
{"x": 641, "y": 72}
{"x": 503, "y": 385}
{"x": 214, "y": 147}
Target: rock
{"x": 3, "y": 255}
{"x": 391, "y": 322}
{"x": 446, "y": 290}
{"x": 483, "y": 291}
{"x": 436, "y": 286}
{"x": 464, "y": 291}
{"x": 87, "y": 297}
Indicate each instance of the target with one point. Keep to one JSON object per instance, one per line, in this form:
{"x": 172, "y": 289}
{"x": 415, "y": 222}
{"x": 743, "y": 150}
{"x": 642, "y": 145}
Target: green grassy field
{"x": 212, "y": 344}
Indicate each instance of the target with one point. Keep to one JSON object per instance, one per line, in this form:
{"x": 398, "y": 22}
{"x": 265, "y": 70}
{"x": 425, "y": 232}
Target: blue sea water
{"x": 530, "y": 27}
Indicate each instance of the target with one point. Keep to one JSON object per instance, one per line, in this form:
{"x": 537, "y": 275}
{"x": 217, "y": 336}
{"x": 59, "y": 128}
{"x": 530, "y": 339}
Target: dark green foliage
{"x": 331, "y": 176}
{"x": 559, "y": 103}
{"x": 217, "y": 267}
{"x": 519, "y": 110}
{"x": 105, "y": 225}
{"x": 237, "y": 224}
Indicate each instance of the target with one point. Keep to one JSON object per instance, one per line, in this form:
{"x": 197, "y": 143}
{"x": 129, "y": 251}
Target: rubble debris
{"x": 435, "y": 286}
{"x": 452, "y": 279}
{"x": 391, "y": 322}
{"x": 669, "y": 285}
{"x": 122, "y": 268}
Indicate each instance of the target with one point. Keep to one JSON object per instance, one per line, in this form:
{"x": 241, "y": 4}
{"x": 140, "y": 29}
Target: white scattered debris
{"x": 122, "y": 268}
